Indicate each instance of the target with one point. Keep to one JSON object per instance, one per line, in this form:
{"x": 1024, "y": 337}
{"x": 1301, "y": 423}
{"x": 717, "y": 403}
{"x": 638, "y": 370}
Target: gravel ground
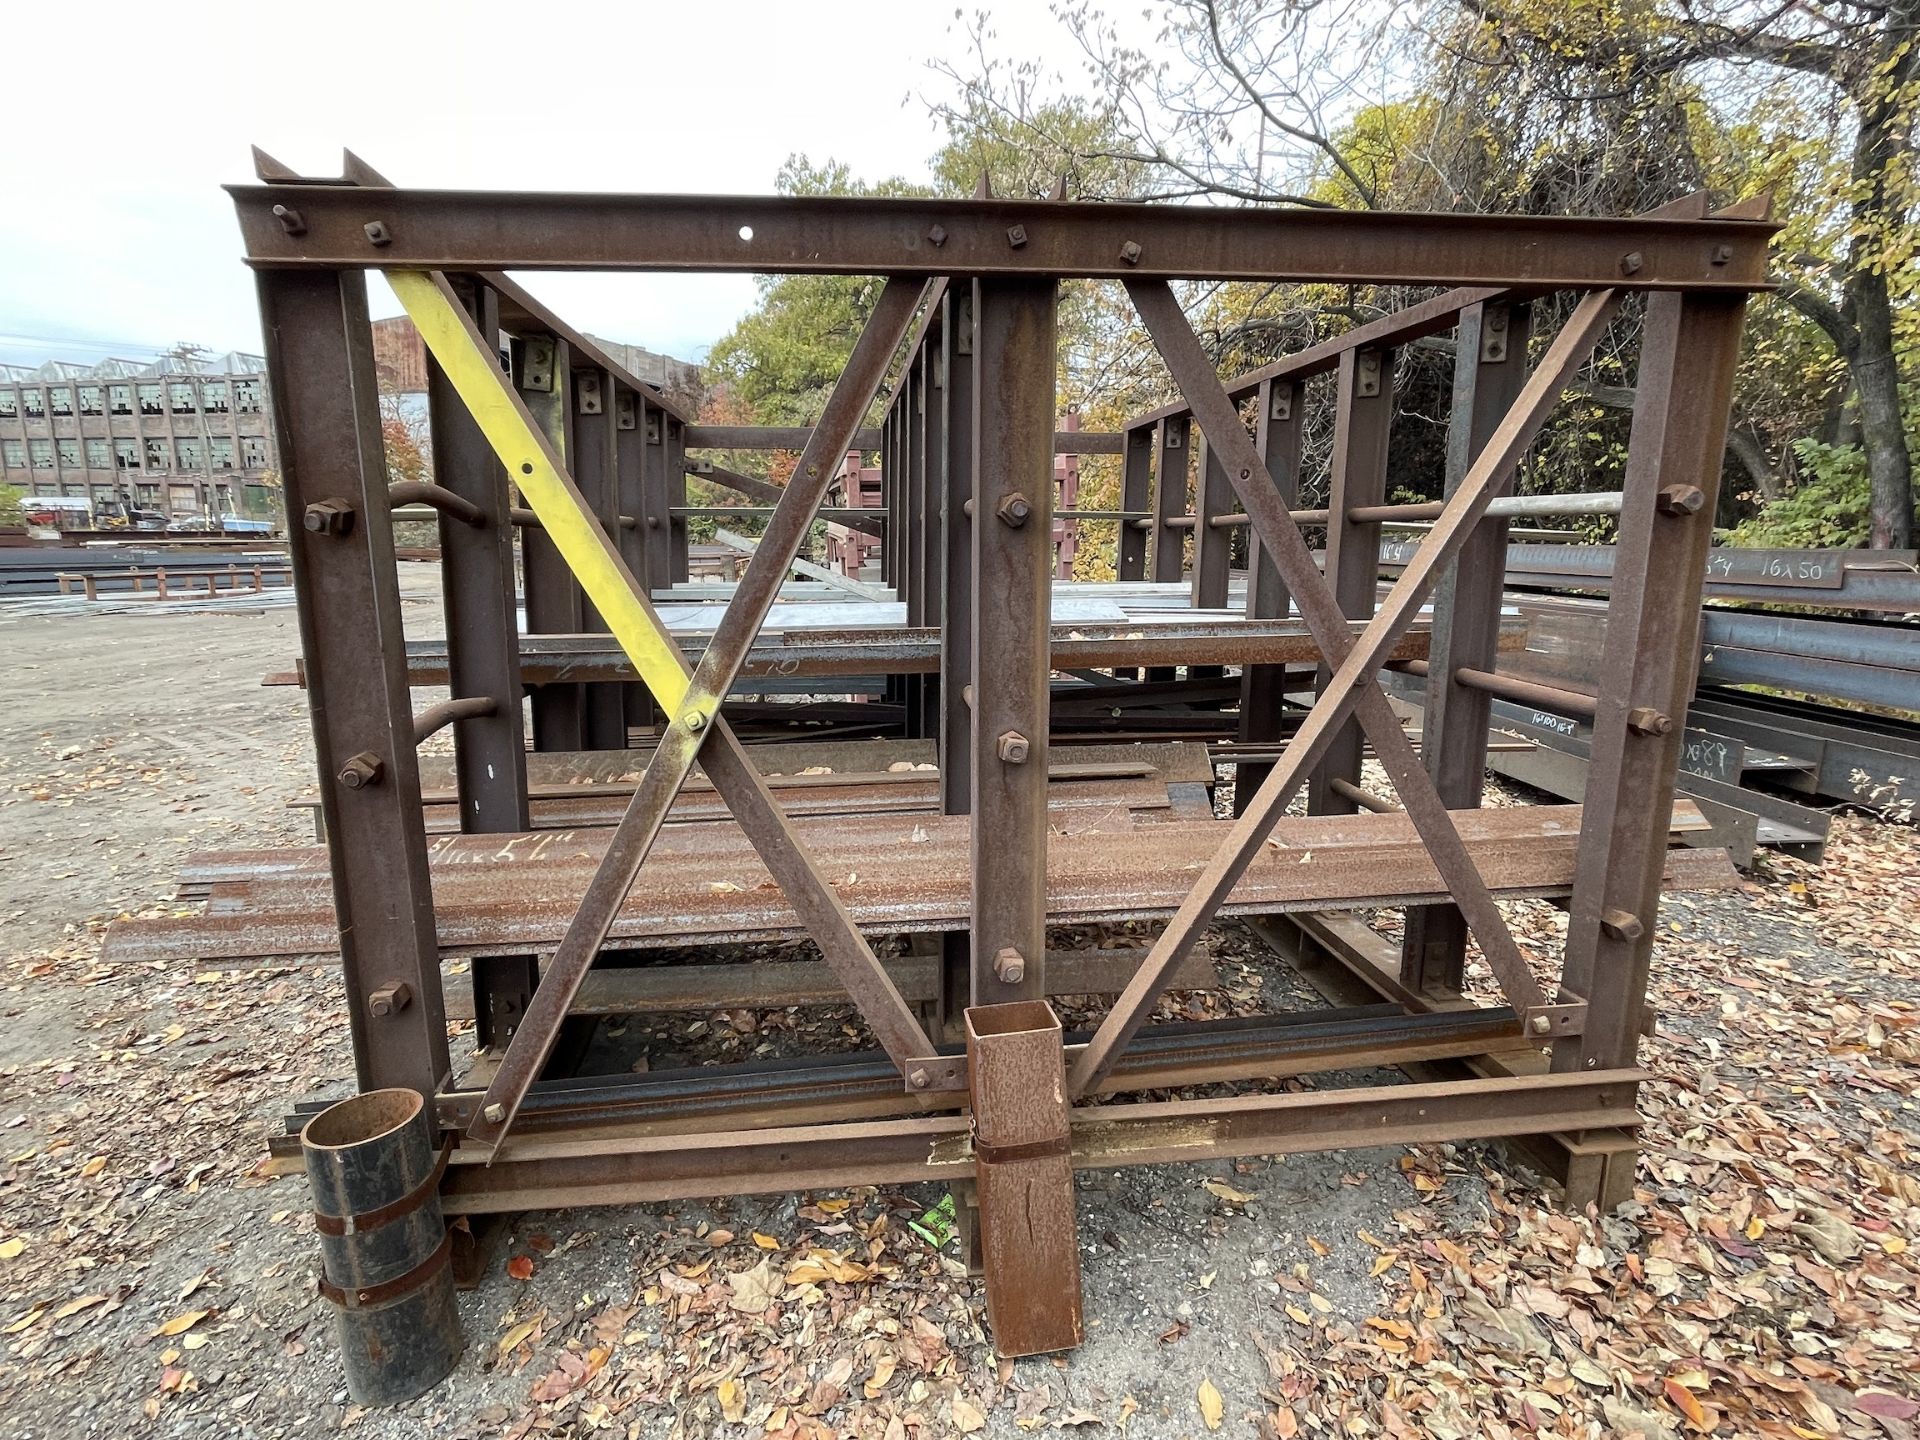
{"x": 1348, "y": 1291}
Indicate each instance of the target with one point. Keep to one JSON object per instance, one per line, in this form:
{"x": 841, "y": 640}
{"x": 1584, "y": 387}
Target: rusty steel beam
{"x": 315, "y": 227}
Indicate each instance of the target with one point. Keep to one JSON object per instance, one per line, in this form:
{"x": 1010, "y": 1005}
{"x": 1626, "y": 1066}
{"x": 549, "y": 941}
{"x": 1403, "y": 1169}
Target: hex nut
{"x": 1130, "y": 252}
{"x": 329, "y": 517}
{"x": 1621, "y": 925}
{"x": 1013, "y": 748}
{"x": 1645, "y": 720}
{"x": 937, "y": 236}
{"x": 919, "y": 1079}
{"x": 362, "y": 770}
{"x": 1016, "y": 235}
{"x": 494, "y": 1114}
{"x": 1015, "y": 509}
{"x": 377, "y": 233}
{"x": 390, "y": 999}
{"x": 1541, "y": 1025}
{"x": 1681, "y": 500}
{"x": 1631, "y": 262}
{"x": 1009, "y": 966}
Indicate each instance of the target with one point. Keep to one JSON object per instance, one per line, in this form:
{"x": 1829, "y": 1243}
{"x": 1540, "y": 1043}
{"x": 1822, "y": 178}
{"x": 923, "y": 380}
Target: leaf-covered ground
{"x": 154, "y": 1281}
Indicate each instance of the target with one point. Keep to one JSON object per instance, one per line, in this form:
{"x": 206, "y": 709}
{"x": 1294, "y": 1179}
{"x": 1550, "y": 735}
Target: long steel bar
{"x": 488, "y": 230}
{"x": 458, "y": 345}
{"x": 1278, "y": 421}
{"x": 1015, "y": 340}
{"x": 1354, "y": 682}
{"x": 327, "y": 414}
{"x": 1688, "y": 355}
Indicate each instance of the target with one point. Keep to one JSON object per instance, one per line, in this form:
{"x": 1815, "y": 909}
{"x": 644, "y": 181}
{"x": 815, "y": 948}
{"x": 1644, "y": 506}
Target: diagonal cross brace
{"x": 458, "y": 347}
{"x": 1353, "y": 687}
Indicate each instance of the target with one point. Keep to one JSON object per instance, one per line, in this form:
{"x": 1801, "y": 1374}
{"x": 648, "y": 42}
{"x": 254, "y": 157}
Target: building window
{"x": 42, "y": 452}
{"x": 69, "y": 451}
{"x": 246, "y": 397}
{"x": 99, "y": 455}
{"x": 190, "y": 454}
{"x": 60, "y": 401}
{"x": 34, "y": 404}
{"x": 101, "y": 493}
{"x": 253, "y": 452}
{"x": 120, "y": 399}
{"x": 89, "y": 399}
{"x": 180, "y": 397}
{"x": 9, "y": 404}
{"x": 126, "y": 454}
{"x": 157, "y": 454}
{"x": 213, "y": 397}
{"x": 148, "y": 494}
{"x": 150, "y": 400}
{"x": 14, "y": 453}
{"x": 220, "y": 452}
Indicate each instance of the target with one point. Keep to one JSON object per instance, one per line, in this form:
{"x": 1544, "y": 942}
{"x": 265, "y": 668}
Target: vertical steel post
{"x": 630, "y": 489}
{"x": 931, "y": 541}
{"x": 1263, "y": 688}
{"x": 956, "y": 607}
{"x": 596, "y": 469}
{"x": 673, "y": 445}
{"x": 553, "y": 599}
{"x": 333, "y": 467}
{"x": 483, "y": 658}
{"x": 1360, "y": 429}
{"x": 913, "y": 511}
{"x": 1136, "y": 495}
{"x": 1015, "y": 341}
{"x": 1688, "y": 355}
{"x": 1489, "y": 367}
{"x": 1212, "y": 547}
{"x": 1172, "y": 445}
{"x": 656, "y": 522}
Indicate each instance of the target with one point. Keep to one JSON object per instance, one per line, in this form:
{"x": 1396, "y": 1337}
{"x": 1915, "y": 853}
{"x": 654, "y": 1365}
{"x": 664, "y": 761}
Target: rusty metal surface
{"x": 505, "y": 894}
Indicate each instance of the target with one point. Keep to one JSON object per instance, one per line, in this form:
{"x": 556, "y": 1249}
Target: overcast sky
{"x": 125, "y": 119}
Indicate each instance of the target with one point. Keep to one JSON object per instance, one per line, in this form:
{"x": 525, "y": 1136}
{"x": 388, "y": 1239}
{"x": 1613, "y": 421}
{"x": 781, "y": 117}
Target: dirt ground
{"x": 154, "y": 1281}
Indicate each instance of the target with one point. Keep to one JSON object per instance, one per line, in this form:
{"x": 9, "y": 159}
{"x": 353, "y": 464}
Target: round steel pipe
{"x": 1551, "y": 698}
{"x": 1604, "y": 502}
{"x": 384, "y": 1246}
{"x": 424, "y": 492}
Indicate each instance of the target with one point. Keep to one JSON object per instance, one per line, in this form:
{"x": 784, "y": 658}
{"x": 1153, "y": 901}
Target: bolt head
{"x": 494, "y": 1113}
{"x": 1009, "y": 966}
{"x": 328, "y": 517}
{"x": 1645, "y": 720}
{"x": 1016, "y": 235}
{"x": 937, "y": 236}
{"x": 1015, "y": 510}
{"x": 694, "y": 721}
{"x": 1541, "y": 1025}
{"x": 920, "y": 1079}
{"x": 1130, "y": 252}
{"x": 362, "y": 770}
{"x": 1014, "y": 748}
{"x": 377, "y": 233}
{"x": 1681, "y": 500}
{"x": 1631, "y": 262}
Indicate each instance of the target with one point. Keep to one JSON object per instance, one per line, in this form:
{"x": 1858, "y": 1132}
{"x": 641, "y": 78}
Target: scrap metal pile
{"x": 709, "y": 777}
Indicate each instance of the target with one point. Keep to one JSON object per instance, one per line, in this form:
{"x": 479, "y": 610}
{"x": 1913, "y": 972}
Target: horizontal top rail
{"x": 301, "y": 226}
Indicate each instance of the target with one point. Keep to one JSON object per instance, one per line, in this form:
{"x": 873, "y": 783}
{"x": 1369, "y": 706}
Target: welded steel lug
{"x": 1013, "y": 747}
{"x": 362, "y": 770}
{"x": 329, "y": 517}
{"x": 1015, "y": 510}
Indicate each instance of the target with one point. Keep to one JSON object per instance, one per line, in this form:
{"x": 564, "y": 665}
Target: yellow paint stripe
{"x": 572, "y": 528}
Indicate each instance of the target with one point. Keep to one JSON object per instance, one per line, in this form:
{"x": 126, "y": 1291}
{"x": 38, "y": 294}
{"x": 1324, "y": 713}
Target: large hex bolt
{"x": 329, "y": 517}
{"x": 1013, "y": 748}
{"x": 362, "y": 770}
{"x": 1680, "y": 500}
{"x": 390, "y": 999}
{"x": 1645, "y": 720}
{"x": 1621, "y": 925}
{"x": 1009, "y": 966}
{"x": 1015, "y": 510}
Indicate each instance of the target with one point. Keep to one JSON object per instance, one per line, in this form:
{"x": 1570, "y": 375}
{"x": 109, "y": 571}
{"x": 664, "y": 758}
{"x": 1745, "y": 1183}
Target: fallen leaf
{"x": 520, "y": 1267}
{"x": 967, "y": 1417}
{"x": 754, "y": 1290}
{"x": 180, "y": 1324}
{"x": 1212, "y": 1407}
{"x": 1224, "y": 1191}
{"x": 11, "y": 1248}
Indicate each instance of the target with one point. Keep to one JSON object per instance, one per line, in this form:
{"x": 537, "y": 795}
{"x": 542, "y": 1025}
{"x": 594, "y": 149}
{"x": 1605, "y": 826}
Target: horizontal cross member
{"x": 333, "y": 227}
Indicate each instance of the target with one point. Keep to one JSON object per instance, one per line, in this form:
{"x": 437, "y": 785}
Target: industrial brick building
{"x": 184, "y": 436}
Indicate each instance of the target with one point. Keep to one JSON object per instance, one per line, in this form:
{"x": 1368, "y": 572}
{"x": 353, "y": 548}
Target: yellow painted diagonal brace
{"x": 503, "y": 418}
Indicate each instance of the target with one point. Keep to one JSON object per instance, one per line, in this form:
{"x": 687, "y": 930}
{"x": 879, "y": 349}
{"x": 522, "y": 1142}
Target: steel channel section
{"x": 327, "y": 413}
{"x": 655, "y": 517}
{"x": 1136, "y": 497}
{"x": 1489, "y": 365}
{"x": 1212, "y": 545}
{"x": 483, "y": 658}
{"x": 1015, "y": 325}
{"x": 490, "y": 230}
{"x": 913, "y": 443}
{"x": 930, "y": 541}
{"x": 673, "y": 462}
{"x": 630, "y": 489}
{"x": 1362, "y": 429}
{"x": 1688, "y": 355}
{"x": 1173, "y": 447}
{"x": 554, "y": 604}
{"x": 1279, "y": 412}
{"x": 956, "y": 477}
{"x": 596, "y": 469}
{"x": 552, "y": 1172}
